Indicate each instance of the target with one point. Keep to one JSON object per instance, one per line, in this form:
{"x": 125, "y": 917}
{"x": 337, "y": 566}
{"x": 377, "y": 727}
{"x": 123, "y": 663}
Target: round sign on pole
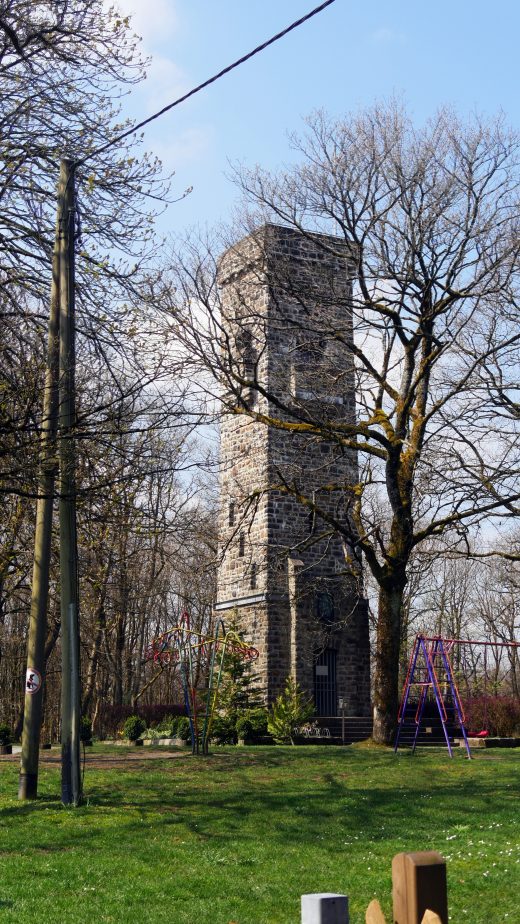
{"x": 33, "y": 680}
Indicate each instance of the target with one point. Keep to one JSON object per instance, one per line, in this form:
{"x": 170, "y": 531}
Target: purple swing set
{"x": 430, "y": 656}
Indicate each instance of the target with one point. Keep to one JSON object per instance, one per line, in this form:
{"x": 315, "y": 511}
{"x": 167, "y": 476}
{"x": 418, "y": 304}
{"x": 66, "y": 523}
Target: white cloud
{"x": 387, "y": 36}
{"x": 179, "y": 148}
{"x": 189, "y": 146}
{"x": 153, "y": 20}
{"x": 157, "y": 23}
{"x": 165, "y": 82}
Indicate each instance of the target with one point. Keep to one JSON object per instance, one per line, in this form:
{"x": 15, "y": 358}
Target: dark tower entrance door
{"x": 325, "y": 697}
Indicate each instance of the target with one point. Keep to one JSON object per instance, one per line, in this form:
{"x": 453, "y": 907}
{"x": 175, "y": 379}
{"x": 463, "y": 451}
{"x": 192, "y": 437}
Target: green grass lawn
{"x": 239, "y": 835}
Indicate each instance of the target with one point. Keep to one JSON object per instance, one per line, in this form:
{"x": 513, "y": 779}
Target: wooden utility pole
{"x": 35, "y": 675}
{"x": 70, "y": 691}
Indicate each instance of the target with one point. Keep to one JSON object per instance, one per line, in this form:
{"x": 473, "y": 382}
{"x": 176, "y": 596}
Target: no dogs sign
{"x": 33, "y": 680}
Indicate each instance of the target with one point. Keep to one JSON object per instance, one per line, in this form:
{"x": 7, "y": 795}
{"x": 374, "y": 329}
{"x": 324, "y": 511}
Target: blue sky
{"x": 427, "y": 53}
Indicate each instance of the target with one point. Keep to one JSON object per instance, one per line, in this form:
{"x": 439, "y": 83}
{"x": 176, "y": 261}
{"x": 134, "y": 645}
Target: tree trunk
{"x": 50, "y": 643}
{"x": 94, "y": 660}
{"x": 119, "y": 647}
{"x": 386, "y": 690}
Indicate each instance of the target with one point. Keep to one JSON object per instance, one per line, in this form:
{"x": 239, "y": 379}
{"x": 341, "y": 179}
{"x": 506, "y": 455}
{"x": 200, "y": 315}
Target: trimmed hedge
{"x": 499, "y": 715}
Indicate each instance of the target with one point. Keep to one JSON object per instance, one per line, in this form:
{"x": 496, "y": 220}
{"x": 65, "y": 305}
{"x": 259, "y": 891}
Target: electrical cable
{"x": 206, "y": 83}
{"x": 82, "y": 786}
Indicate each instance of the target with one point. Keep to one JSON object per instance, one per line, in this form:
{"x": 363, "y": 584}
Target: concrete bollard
{"x": 324, "y": 908}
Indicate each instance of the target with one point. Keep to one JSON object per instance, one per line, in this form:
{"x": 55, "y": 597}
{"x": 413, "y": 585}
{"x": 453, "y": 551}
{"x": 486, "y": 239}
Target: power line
{"x": 206, "y": 83}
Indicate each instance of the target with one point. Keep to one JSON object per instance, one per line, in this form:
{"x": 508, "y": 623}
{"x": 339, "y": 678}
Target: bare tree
{"x": 146, "y": 550}
{"x": 430, "y": 217}
{"x": 63, "y": 69}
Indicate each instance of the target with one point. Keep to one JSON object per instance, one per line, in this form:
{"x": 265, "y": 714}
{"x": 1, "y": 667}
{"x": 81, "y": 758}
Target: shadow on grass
{"x": 31, "y": 807}
{"x": 312, "y": 806}
{"x": 286, "y": 796}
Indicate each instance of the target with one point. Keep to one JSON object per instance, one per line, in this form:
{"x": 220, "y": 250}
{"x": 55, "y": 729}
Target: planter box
{"x": 165, "y": 742}
{"x": 489, "y": 742}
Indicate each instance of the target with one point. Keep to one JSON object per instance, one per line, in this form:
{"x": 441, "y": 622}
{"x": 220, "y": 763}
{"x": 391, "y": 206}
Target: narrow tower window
{"x": 248, "y": 370}
{"x": 325, "y": 608}
{"x": 241, "y": 545}
{"x": 231, "y": 513}
{"x": 253, "y": 575}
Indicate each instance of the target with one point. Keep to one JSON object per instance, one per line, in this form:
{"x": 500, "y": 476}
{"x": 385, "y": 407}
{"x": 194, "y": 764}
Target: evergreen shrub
{"x": 5, "y": 734}
{"x": 252, "y": 724}
{"x": 182, "y": 728}
{"x": 85, "y": 729}
{"x": 223, "y": 730}
{"x": 290, "y": 710}
{"x": 134, "y": 727}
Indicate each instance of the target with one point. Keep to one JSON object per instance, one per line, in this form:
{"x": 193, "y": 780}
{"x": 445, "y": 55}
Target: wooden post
{"x": 419, "y": 884}
{"x": 35, "y": 674}
{"x": 70, "y": 702}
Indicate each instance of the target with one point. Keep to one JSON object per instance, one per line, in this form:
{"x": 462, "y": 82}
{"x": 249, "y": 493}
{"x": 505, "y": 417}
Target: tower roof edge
{"x": 253, "y": 252}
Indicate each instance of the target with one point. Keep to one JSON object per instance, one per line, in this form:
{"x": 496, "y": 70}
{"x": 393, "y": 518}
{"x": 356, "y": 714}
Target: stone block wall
{"x": 285, "y": 310}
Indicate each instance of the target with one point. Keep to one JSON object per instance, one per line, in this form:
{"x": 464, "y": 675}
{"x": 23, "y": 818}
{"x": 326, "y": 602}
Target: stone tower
{"x": 284, "y": 577}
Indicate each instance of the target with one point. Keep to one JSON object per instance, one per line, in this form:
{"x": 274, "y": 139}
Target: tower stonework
{"x": 285, "y": 575}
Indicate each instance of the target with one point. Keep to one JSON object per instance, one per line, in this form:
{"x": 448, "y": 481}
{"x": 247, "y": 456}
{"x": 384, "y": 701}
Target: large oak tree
{"x": 431, "y": 216}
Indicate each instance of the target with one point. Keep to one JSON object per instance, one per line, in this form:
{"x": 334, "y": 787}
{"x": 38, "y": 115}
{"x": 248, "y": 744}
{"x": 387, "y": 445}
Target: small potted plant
{"x": 6, "y": 746}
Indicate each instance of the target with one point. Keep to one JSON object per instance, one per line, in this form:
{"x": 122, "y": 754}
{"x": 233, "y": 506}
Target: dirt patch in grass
{"x": 135, "y": 758}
